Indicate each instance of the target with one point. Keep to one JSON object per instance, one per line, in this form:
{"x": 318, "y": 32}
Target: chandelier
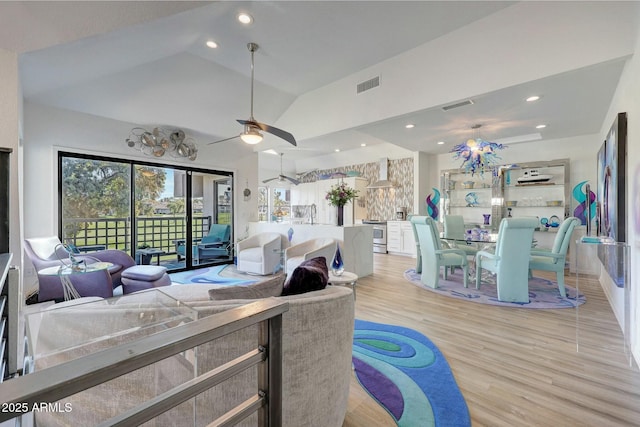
{"x": 160, "y": 141}
{"x": 477, "y": 155}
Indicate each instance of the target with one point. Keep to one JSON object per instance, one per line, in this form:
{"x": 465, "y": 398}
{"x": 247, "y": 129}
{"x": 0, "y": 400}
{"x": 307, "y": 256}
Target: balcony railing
{"x": 55, "y": 383}
{"x": 159, "y": 232}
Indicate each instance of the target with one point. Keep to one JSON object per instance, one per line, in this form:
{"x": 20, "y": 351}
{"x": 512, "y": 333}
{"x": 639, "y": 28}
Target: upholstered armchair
{"x": 120, "y": 260}
{"x": 454, "y": 233}
{"x": 294, "y": 255}
{"x": 554, "y": 259}
{"x": 214, "y": 244}
{"x": 433, "y": 255}
{"x": 260, "y": 253}
{"x": 48, "y": 252}
{"x": 510, "y": 261}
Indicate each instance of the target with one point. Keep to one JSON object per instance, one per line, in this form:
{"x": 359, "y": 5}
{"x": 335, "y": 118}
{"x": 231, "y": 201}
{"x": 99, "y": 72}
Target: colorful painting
{"x": 611, "y": 205}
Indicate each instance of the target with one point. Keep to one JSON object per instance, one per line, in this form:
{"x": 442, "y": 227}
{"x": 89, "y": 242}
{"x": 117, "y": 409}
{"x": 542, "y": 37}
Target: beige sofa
{"x": 317, "y": 345}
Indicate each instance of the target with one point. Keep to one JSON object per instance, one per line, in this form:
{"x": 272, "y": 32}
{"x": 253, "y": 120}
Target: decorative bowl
{"x": 467, "y": 185}
{"x": 511, "y": 203}
{"x": 554, "y": 203}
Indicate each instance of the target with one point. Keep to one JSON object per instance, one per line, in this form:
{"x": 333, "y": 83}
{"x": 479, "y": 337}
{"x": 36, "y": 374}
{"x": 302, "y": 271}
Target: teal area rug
{"x": 407, "y": 374}
{"x": 543, "y": 293}
{"x": 211, "y": 276}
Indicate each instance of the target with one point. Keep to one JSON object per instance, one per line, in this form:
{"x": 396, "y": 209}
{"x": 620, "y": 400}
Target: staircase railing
{"x": 66, "y": 379}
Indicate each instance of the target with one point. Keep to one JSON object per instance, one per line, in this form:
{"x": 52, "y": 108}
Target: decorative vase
{"x": 487, "y": 219}
{"x": 337, "y": 265}
{"x": 340, "y": 215}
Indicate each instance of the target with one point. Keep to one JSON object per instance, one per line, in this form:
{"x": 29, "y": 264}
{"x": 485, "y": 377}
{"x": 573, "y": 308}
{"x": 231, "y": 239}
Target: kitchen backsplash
{"x": 381, "y": 202}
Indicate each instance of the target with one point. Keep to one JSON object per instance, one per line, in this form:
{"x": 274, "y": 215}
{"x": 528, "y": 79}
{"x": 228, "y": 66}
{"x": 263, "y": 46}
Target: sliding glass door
{"x": 177, "y": 217}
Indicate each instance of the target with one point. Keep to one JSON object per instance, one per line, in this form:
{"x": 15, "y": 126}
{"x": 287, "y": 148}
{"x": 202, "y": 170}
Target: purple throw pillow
{"x": 310, "y": 275}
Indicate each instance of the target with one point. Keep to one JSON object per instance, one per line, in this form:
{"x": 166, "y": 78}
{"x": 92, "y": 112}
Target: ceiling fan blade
{"x": 291, "y": 180}
{"x": 223, "y": 140}
{"x": 272, "y": 130}
{"x": 269, "y": 180}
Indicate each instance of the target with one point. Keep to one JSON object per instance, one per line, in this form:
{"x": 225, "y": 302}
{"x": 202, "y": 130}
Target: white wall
{"x": 49, "y": 130}
{"x": 10, "y": 114}
{"x": 627, "y": 99}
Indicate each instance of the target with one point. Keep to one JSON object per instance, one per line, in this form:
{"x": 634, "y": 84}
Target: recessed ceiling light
{"x": 533, "y": 98}
{"x": 363, "y": 145}
{"x": 440, "y": 142}
{"x": 541, "y": 126}
{"x": 337, "y": 150}
{"x": 410, "y": 126}
{"x": 245, "y": 18}
{"x": 212, "y": 44}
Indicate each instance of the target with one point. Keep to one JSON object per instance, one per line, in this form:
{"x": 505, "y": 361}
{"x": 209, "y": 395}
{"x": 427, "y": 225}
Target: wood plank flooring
{"x": 515, "y": 367}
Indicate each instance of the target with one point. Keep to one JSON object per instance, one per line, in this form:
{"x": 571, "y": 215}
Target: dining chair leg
{"x": 560, "y": 280}
{"x": 478, "y": 273}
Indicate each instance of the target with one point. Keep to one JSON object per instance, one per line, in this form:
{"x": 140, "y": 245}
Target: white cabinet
{"x": 309, "y": 193}
{"x": 400, "y": 239}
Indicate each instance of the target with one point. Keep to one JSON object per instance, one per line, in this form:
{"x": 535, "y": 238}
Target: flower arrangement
{"x": 341, "y": 194}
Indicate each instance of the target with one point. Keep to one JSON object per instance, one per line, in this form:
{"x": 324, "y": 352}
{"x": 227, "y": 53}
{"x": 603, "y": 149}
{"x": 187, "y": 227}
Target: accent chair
{"x": 554, "y": 259}
{"x": 454, "y": 231}
{"x": 48, "y": 252}
{"x": 215, "y": 244}
{"x": 296, "y": 254}
{"x": 433, "y": 255}
{"x": 260, "y": 253}
{"x": 510, "y": 261}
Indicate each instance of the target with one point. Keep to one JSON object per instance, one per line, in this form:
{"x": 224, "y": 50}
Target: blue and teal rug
{"x": 407, "y": 374}
{"x": 211, "y": 276}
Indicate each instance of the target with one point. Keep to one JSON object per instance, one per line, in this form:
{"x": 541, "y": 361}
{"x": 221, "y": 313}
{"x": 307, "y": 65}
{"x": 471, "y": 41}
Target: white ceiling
{"x": 146, "y": 63}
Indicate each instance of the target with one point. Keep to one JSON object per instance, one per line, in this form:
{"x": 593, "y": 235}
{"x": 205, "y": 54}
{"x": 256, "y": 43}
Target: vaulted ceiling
{"x": 147, "y": 63}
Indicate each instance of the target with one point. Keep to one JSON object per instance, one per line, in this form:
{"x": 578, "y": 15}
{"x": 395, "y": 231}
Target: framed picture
{"x": 612, "y": 172}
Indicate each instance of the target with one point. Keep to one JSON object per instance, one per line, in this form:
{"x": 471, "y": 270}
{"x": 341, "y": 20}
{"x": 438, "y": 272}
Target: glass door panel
{"x": 95, "y": 204}
{"x": 160, "y": 217}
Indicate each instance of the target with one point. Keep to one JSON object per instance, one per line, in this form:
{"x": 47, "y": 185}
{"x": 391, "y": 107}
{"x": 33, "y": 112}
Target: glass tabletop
{"x": 79, "y": 327}
{"x": 67, "y": 270}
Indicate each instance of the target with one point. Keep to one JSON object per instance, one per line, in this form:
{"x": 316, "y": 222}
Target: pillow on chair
{"x": 310, "y": 275}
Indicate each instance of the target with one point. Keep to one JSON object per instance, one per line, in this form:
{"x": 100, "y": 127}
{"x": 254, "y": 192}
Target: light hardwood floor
{"x": 514, "y": 366}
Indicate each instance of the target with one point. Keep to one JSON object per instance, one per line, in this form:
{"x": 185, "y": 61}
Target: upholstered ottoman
{"x": 141, "y": 277}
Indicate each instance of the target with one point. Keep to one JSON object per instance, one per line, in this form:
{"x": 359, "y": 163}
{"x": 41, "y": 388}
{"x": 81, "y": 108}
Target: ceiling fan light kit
{"x": 252, "y": 128}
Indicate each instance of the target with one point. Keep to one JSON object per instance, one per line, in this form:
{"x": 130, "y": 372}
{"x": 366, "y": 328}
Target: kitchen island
{"x": 356, "y": 241}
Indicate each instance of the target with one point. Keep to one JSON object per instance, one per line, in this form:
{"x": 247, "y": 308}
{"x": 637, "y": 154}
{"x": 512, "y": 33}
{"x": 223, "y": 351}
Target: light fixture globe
{"x": 251, "y": 136}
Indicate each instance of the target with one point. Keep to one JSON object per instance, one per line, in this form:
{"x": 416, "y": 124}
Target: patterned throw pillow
{"x": 310, "y": 275}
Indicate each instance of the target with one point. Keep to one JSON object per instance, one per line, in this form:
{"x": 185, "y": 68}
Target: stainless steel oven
{"x": 379, "y": 235}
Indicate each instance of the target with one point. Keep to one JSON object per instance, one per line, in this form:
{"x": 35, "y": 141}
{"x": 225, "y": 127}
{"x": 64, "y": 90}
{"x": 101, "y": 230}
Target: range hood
{"x": 383, "y": 181}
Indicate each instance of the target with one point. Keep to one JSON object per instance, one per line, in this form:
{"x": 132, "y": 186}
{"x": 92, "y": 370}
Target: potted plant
{"x": 339, "y": 195}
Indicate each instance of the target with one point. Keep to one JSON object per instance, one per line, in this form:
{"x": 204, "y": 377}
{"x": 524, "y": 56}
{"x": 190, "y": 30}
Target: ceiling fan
{"x": 282, "y": 177}
{"x": 252, "y": 128}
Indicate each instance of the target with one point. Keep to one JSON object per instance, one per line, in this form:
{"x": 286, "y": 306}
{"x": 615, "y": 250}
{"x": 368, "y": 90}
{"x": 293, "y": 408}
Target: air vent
{"x": 457, "y": 105}
{"x": 369, "y": 84}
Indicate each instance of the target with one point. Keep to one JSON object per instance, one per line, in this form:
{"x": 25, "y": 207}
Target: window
{"x": 137, "y": 207}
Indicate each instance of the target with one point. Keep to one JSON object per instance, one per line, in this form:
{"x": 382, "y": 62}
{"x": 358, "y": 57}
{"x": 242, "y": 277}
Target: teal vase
{"x": 337, "y": 265}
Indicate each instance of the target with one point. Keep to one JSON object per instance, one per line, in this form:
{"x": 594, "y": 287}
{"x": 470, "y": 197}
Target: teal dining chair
{"x": 554, "y": 259}
{"x": 418, "y": 254}
{"x": 510, "y": 261}
{"x": 433, "y": 255}
{"x": 454, "y": 233}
